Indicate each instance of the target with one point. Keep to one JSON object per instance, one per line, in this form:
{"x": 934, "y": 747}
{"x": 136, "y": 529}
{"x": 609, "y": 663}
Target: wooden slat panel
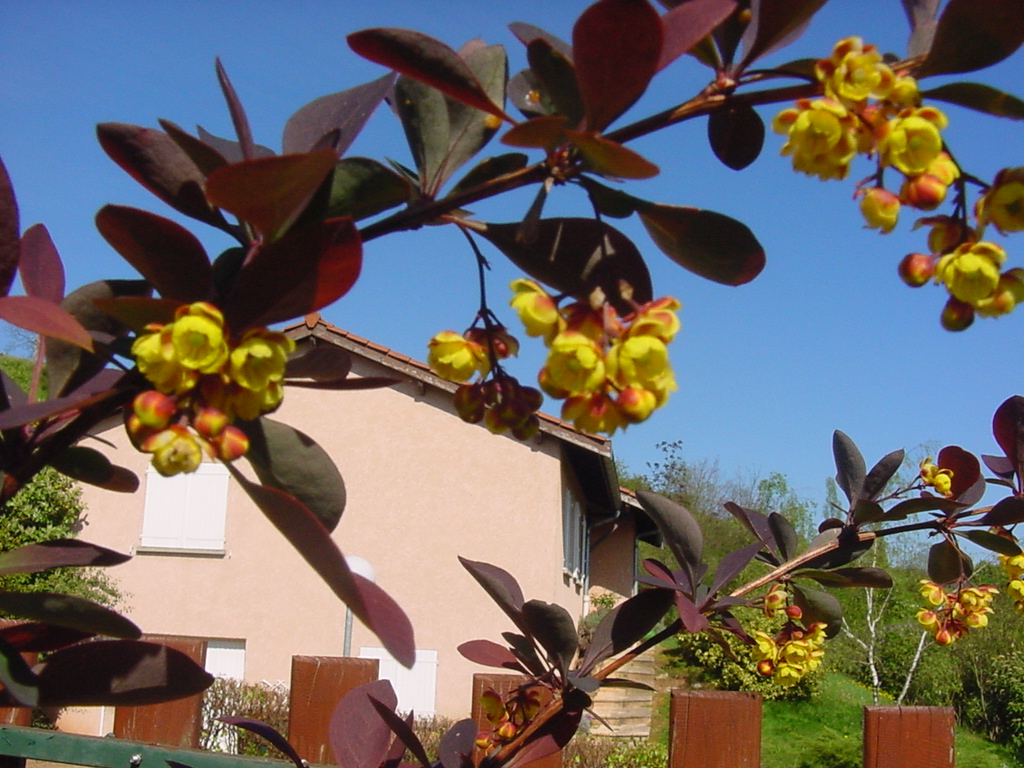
{"x": 908, "y": 737}
{"x": 318, "y": 684}
{"x": 174, "y": 723}
{"x": 715, "y": 729}
{"x": 503, "y": 685}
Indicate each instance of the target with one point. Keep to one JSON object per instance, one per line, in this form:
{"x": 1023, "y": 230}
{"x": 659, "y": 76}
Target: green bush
{"x": 259, "y": 701}
{"x": 612, "y": 752}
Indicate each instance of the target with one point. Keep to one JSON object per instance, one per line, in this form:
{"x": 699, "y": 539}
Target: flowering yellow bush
{"x": 954, "y": 614}
{"x": 790, "y": 654}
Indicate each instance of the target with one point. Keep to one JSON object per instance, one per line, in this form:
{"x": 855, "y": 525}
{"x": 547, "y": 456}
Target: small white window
{"x": 416, "y": 687}
{"x": 185, "y": 513}
{"x": 575, "y": 537}
{"x": 225, "y": 658}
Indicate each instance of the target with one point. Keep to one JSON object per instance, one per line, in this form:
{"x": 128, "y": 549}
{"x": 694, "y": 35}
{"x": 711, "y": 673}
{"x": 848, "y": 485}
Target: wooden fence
{"x": 708, "y": 729}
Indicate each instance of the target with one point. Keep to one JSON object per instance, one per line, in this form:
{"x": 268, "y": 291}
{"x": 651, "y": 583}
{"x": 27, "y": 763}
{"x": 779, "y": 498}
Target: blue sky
{"x": 827, "y": 337}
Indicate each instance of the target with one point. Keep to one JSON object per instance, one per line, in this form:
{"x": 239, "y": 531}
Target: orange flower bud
{"x": 916, "y": 269}
{"x": 957, "y": 315}
{"x": 154, "y": 409}
{"x": 880, "y": 208}
{"x": 209, "y": 422}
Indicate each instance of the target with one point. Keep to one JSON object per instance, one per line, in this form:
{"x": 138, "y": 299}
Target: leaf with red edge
{"x": 313, "y": 541}
{"x": 118, "y": 673}
{"x": 270, "y": 192}
{"x": 689, "y": 23}
{"x": 206, "y": 158}
{"x": 10, "y": 229}
{"x": 165, "y": 253}
{"x": 1008, "y": 430}
{"x": 545, "y": 132}
{"x": 576, "y": 256}
{"x": 965, "y": 467}
{"x": 425, "y": 59}
{"x": 616, "y": 47}
{"x": 303, "y": 272}
{"x": 238, "y": 116}
{"x": 154, "y": 160}
{"x": 40, "y": 268}
{"x": 345, "y": 112}
{"x": 775, "y": 24}
{"x": 972, "y": 35}
{"x": 36, "y": 637}
{"x": 490, "y": 654}
{"x": 58, "y": 553}
{"x": 45, "y": 318}
{"x": 609, "y": 158}
{"x": 268, "y": 732}
{"x": 706, "y": 243}
{"x": 526, "y": 33}
{"x": 358, "y": 736}
{"x": 736, "y": 134}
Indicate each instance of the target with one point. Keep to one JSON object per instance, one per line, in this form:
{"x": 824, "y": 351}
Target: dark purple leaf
{"x": 819, "y": 606}
{"x": 626, "y": 624}
{"x": 881, "y": 474}
{"x": 290, "y": 461}
{"x": 865, "y": 511}
{"x": 425, "y": 59}
{"x": 359, "y": 737}
{"x": 966, "y": 473}
{"x": 34, "y": 637}
{"x": 87, "y": 465}
{"x": 361, "y": 187}
{"x": 501, "y": 586}
{"x": 58, "y": 553}
{"x": 679, "y": 528}
{"x": 490, "y": 169}
{"x": 851, "y": 577}
{"x": 552, "y": 626}
{"x": 732, "y": 564}
{"x": 1008, "y": 430}
{"x": 690, "y": 22}
{"x": 490, "y": 654}
{"x": 270, "y": 192}
{"x": 706, "y": 243}
{"x": 929, "y": 503}
{"x": 999, "y": 465}
{"x": 456, "y": 747}
{"x": 230, "y": 150}
{"x": 979, "y": 97}
{"x": 555, "y": 76}
{"x": 774, "y": 24}
{"x": 118, "y": 673}
{"x": 609, "y": 158}
{"x": 972, "y": 36}
{"x": 238, "y": 117}
{"x": 1008, "y": 511}
{"x": 755, "y": 522}
{"x": 41, "y": 270}
{"x": 206, "y": 158}
{"x": 524, "y": 650}
{"x": 269, "y": 733}
{"x": 18, "y": 679}
{"x": 850, "y": 467}
{"x": 736, "y": 134}
{"x": 68, "y": 611}
{"x": 921, "y": 15}
{"x": 693, "y": 620}
{"x": 45, "y": 318}
{"x": 526, "y": 33}
{"x": 784, "y": 534}
{"x": 616, "y": 47}
{"x": 169, "y": 256}
{"x": 576, "y": 256}
{"x": 26, "y": 414}
{"x": 551, "y": 738}
{"x": 303, "y": 272}
{"x": 947, "y": 564}
{"x": 154, "y": 160}
{"x": 345, "y": 112}
{"x": 402, "y": 730}
{"x": 993, "y": 542}
{"x": 10, "y": 229}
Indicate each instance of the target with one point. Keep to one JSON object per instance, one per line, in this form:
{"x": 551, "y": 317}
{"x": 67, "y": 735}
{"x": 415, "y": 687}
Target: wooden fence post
{"x": 714, "y": 729}
{"x": 503, "y": 685}
{"x": 908, "y": 737}
{"x": 174, "y": 723}
{"x": 318, "y": 684}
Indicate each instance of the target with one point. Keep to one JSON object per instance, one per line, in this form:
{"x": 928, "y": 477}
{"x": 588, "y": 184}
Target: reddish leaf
{"x": 238, "y": 117}
{"x": 980, "y": 97}
{"x": 678, "y": 527}
{"x": 616, "y": 46}
{"x": 708, "y": 244}
{"x": 34, "y": 637}
{"x": 552, "y": 737}
{"x": 546, "y": 132}
{"x": 26, "y": 414}
{"x": 693, "y": 620}
{"x": 345, "y": 112}
{"x": 230, "y": 150}
{"x": 206, "y": 158}
{"x": 270, "y": 192}
{"x": 501, "y": 586}
{"x": 609, "y": 158}
{"x": 625, "y": 625}
{"x": 169, "y": 256}
{"x": 576, "y": 257}
{"x": 1008, "y": 430}
{"x": 1008, "y": 511}
{"x": 972, "y": 35}
{"x": 68, "y": 611}
{"x": 526, "y": 33}
{"x": 136, "y": 312}
{"x": 303, "y": 272}
{"x": 45, "y": 318}
{"x": 425, "y": 59}
{"x": 9, "y": 230}
{"x": 965, "y": 466}
{"x": 358, "y": 736}
{"x": 118, "y": 673}
{"x": 993, "y": 542}
{"x": 556, "y": 76}
{"x": 689, "y": 23}
{"x": 58, "y": 553}
{"x": 269, "y": 733}
{"x": 774, "y": 24}
{"x": 736, "y": 133}
{"x": 947, "y": 564}
{"x": 403, "y": 731}
{"x": 42, "y": 273}
{"x": 489, "y": 654}
{"x": 154, "y": 160}
{"x": 553, "y": 627}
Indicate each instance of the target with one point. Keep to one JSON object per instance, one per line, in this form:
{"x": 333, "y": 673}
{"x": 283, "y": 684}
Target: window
{"x": 575, "y": 537}
{"x": 225, "y": 658}
{"x": 414, "y": 687}
{"x": 185, "y": 514}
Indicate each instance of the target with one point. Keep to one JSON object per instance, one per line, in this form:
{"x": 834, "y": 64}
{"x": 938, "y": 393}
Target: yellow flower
{"x": 971, "y": 271}
{"x": 154, "y": 354}
{"x": 1013, "y": 566}
{"x": 636, "y": 404}
{"x": 260, "y": 358}
{"x": 1003, "y": 203}
{"x": 855, "y": 72}
{"x": 657, "y": 318}
{"x": 592, "y": 412}
{"x": 174, "y": 450}
{"x": 932, "y": 592}
{"x": 1008, "y": 294}
{"x": 197, "y": 334}
{"x": 537, "y": 310}
{"x": 880, "y": 208}
{"x": 575, "y": 363}
{"x": 641, "y": 361}
{"x": 456, "y": 358}
{"x": 911, "y": 141}
{"x": 765, "y": 648}
{"x": 822, "y": 137}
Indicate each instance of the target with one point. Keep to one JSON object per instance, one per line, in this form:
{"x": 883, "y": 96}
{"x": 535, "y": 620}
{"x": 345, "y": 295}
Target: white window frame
{"x": 186, "y": 513}
{"x": 575, "y": 535}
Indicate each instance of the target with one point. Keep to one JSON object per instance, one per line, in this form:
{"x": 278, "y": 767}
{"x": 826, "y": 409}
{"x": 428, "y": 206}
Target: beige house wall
{"x": 423, "y": 487}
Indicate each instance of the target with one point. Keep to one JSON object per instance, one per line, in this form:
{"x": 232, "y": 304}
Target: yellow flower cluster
{"x": 507, "y": 718}
{"x": 610, "y": 371}
{"x": 791, "y": 654}
{"x": 204, "y": 379}
{"x": 1014, "y": 569}
{"x": 954, "y": 614}
{"x": 934, "y": 477}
